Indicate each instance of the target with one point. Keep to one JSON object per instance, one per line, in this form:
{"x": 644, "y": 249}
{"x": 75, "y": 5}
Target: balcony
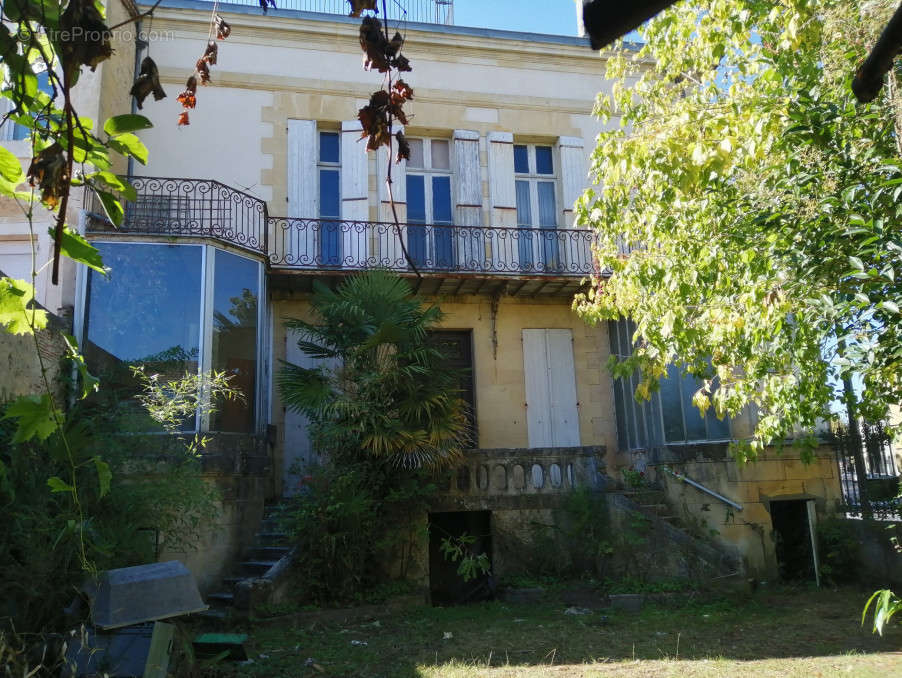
{"x": 420, "y": 11}
{"x": 446, "y": 259}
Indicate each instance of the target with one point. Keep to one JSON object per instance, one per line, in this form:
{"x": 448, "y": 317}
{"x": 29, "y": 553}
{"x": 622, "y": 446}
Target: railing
{"x": 701, "y": 488}
{"x": 422, "y": 11}
{"x": 193, "y": 208}
{"x": 208, "y": 209}
{"x": 881, "y": 476}
{"x": 338, "y": 245}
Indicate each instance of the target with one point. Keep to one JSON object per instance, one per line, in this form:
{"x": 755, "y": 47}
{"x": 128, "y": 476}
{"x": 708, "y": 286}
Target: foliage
{"x": 632, "y": 478}
{"x": 170, "y": 401}
{"x": 459, "y": 550}
{"x": 837, "y": 551}
{"x": 886, "y": 605}
{"x": 760, "y": 204}
{"x": 380, "y": 389}
{"x": 64, "y": 496}
{"x": 349, "y": 520}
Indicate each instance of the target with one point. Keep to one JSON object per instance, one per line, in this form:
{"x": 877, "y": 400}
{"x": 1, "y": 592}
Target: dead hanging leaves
{"x": 85, "y": 37}
{"x": 49, "y": 172}
{"x": 385, "y": 105}
{"x": 148, "y": 81}
{"x": 188, "y": 98}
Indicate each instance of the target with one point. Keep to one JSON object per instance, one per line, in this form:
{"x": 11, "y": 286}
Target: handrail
{"x": 702, "y": 488}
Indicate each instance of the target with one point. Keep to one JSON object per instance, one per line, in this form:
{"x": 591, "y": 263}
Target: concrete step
{"x": 229, "y": 583}
{"x": 271, "y": 538}
{"x": 215, "y": 614}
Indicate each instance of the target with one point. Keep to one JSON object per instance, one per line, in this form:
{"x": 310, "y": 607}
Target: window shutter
{"x": 354, "y": 195}
{"x": 468, "y": 193}
{"x": 302, "y": 181}
{"x": 502, "y": 194}
{"x": 6, "y": 131}
{"x": 573, "y": 174}
{"x": 389, "y": 253}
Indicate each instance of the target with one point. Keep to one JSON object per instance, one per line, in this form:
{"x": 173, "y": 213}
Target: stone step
{"x": 271, "y": 538}
{"x": 257, "y": 567}
{"x": 215, "y": 614}
{"x": 275, "y": 553}
{"x": 221, "y": 599}
{"x": 229, "y": 583}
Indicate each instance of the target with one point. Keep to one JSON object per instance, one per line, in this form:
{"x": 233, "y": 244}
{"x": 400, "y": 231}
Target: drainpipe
{"x": 140, "y": 45}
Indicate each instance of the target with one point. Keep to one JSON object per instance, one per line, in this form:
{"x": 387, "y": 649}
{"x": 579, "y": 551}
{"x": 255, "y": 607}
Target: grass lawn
{"x": 782, "y": 633}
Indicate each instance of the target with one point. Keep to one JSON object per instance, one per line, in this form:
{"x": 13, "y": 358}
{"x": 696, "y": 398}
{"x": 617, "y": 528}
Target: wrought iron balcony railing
{"x": 422, "y": 11}
{"x": 208, "y": 209}
{"x": 338, "y": 245}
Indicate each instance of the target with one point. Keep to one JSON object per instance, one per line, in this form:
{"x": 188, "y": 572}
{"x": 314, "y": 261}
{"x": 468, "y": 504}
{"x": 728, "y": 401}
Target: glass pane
{"x": 544, "y": 160}
{"x": 329, "y": 200}
{"x": 547, "y": 207}
{"x": 671, "y": 409}
{"x": 695, "y": 423}
{"x": 328, "y": 147}
{"x": 441, "y": 155}
{"x": 146, "y": 313}
{"x": 416, "y": 198}
{"x": 235, "y": 294}
{"x": 416, "y": 153}
{"x": 441, "y": 200}
{"x": 524, "y": 212}
{"x": 717, "y": 429}
{"x": 620, "y": 407}
{"x": 521, "y": 159}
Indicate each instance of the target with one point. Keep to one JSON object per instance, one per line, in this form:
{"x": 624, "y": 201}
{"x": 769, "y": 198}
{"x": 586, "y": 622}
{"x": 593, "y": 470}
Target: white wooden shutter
{"x": 390, "y": 254}
{"x": 354, "y": 195}
{"x": 502, "y": 194}
{"x": 302, "y": 180}
{"x": 8, "y": 129}
{"x": 552, "y": 415}
{"x": 573, "y": 174}
{"x": 468, "y": 200}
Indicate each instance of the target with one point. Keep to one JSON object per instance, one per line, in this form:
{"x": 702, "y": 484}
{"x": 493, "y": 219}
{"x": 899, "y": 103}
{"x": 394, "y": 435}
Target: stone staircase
{"x": 269, "y": 548}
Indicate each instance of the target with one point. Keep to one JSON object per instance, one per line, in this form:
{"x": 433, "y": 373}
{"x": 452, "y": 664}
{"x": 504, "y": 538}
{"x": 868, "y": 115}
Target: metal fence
{"x": 341, "y": 245}
{"x": 877, "y": 496}
{"x": 422, "y": 11}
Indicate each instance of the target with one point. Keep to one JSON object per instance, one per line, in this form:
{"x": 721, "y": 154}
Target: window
{"x": 12, "y": 131}
{"x": 175, "y": 309}
{"x": 536, "y": 186}
{"x": 429, "y": 202}
{"x": 669, "y": 417}
{"x": 328, "y": 169}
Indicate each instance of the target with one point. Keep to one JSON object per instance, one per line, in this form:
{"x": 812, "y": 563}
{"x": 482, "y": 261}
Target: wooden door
{"x": 552, "y": 415}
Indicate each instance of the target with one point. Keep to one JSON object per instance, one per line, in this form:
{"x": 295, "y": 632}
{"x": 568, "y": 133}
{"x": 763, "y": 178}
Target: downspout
{"x": 140, "y": 44}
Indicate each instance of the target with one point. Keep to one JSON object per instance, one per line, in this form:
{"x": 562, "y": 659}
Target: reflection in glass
{"x": 234, "y": 350}
{"x": 146, "y": 312}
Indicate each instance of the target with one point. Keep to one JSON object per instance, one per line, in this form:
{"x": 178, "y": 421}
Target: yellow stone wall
{"x": 774, "y": 476}
{"x": 499, "y": 374}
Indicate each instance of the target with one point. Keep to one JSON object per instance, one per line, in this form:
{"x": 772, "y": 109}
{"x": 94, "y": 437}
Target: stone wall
{"x": 20, "y": 369}
{"x": 773, "y": 477}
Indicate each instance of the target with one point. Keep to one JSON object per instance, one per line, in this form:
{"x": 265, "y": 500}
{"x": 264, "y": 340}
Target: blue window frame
{"x": 329, "y": 170}
{"x": 429, "y": 202}
{"x": 537, "y": 213}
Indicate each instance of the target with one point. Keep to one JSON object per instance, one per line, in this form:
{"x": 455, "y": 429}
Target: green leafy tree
{"x": 760, "y": 205}
{"x": 382, "y": 391}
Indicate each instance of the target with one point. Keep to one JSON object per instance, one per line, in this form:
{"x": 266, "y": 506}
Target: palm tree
{"x": 381, "y": 389}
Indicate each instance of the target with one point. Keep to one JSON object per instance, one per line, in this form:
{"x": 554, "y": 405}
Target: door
{"x": 552, "y": 414}
{"x": 457, "y": 346}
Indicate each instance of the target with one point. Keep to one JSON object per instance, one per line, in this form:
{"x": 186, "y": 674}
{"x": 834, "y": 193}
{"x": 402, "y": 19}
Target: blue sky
{"x": 557, "y": 17}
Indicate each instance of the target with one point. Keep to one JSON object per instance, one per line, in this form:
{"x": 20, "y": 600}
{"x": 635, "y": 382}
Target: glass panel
{"x": 441, "y": 155}
{"x": 329, "y": 199}
{"x": 234, "y": 350}
{"x": 544, "y": 160}
{"x": 671, "y": 409}
{"x": 524, "y": 218}
{"x": 416, "y": 153}
{"x": 441, "y": 200}
{"x": 329, "y": 209}
{"x": 548, "y": 220}
{"x": 441, "y": 214}
{"x": 620, "y": 407}
{"x": 521, "y": 159}
{"x": 416, "y": 214}
{"x": 416, "y": 198}
{"x": 695, "y": 423}
{"x": 20, "y": 131}
{"x": 717, "y": 429}
{"x": 328, "y": 147}
{"x": 147, "y": 312}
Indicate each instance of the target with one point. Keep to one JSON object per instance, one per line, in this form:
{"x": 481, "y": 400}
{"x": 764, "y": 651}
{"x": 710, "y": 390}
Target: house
{"x": 269, "y": 189}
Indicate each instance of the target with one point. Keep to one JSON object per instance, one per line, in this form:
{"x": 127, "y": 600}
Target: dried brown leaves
{"x": 148, "y": 81}
{"x": 49, "y": 171}
{"x": 188, "y": 98}
{"x": 358, "y": 6}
